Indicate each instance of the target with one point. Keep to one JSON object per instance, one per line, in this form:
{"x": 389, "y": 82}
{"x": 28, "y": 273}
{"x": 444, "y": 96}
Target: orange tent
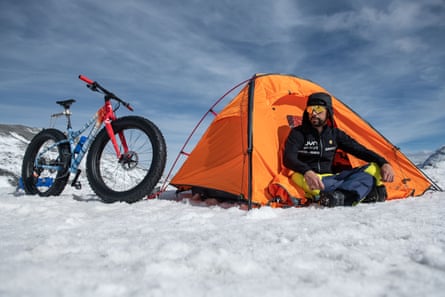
{"x": 241, "y": 151}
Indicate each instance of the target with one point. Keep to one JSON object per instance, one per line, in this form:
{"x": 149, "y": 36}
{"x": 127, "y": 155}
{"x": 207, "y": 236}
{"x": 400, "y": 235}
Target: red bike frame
{"x": 106, "y": 115}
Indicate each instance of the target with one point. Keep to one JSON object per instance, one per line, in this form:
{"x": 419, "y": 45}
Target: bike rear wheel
{"x": 45, "y": 164}
{"x": 134, "y": 175}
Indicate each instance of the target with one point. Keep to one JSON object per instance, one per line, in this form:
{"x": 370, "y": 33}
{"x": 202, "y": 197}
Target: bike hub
{"x": 129, "y": 160}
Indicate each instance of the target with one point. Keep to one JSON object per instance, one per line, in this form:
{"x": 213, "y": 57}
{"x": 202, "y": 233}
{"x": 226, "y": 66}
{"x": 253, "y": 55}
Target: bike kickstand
{"x": 76, "y": 184}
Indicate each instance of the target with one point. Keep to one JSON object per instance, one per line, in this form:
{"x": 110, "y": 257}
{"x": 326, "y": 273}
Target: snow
{"x": 75, "y": 245}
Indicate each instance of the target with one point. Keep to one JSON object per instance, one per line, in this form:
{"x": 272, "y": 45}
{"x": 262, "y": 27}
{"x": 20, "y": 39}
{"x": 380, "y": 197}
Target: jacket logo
{"x": 311, "y": 143}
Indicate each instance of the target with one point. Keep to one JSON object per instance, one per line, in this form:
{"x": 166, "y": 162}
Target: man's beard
{"x": 316, "y": 122}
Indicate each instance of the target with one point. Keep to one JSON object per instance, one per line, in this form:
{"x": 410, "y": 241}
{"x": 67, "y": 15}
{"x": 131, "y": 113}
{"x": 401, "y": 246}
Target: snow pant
{"x": 358, "y": 182}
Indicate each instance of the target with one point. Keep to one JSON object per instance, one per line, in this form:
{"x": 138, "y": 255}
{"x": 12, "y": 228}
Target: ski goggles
{"x": 315, "y": 108}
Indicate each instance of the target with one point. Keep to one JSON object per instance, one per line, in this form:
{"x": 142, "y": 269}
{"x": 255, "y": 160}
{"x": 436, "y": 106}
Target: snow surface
{"x": 75, "y": 245}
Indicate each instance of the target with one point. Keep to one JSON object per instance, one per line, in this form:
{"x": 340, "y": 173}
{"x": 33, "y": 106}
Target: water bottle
{"x": 80, "y": 144}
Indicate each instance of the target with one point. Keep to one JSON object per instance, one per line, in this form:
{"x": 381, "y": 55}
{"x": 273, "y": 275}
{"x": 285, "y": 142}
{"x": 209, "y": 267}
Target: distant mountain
{"x": 435, "y": 159}
{"x": 10, "y": 130}
{"x": 18, "y": 131}
{"x": 13, "y": 142}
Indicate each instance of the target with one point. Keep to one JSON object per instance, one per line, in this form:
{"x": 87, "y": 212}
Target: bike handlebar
{"x": 94, "y": 86}
{"x": 86, "y": 79}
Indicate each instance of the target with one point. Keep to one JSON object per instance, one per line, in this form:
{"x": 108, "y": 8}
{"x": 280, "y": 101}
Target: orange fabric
{"x": 409, "y": 180}
{"x": 220, "y": 159}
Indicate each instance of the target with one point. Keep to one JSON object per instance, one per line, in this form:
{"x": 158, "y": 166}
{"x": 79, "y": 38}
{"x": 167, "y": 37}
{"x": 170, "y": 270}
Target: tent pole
{"x": 250, "y": 140}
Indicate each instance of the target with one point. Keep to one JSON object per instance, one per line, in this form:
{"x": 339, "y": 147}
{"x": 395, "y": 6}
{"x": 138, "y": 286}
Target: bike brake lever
{"x": 93, "y": 87}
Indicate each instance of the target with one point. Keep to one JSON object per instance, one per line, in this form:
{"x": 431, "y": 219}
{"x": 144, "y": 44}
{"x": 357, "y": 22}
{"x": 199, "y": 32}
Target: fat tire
{"x": 153, "y": 172}
{"x": 64, "y": 158}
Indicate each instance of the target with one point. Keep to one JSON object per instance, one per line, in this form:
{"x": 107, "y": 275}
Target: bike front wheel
{"x": 136, "y": 172}
{"x": 46, "y": 163}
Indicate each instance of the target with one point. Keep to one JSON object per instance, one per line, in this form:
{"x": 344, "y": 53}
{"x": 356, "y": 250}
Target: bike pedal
{"x": 77, "y": 185}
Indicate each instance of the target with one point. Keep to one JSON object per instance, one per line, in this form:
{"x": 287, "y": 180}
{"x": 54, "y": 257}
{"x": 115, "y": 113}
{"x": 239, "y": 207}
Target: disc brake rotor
{"x": 129, "y": 160}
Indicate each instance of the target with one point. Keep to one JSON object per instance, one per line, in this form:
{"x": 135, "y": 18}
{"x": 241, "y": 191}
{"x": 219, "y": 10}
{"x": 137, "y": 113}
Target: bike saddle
{"x": 66, "y": 103}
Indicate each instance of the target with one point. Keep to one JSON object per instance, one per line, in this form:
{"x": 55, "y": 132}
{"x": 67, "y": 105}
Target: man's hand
{"x": 387, "y": 173}
{"x": 313, "y": 180}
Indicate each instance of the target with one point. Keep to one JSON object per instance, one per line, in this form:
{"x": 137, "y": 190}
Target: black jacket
{"x": 306, "y": 150}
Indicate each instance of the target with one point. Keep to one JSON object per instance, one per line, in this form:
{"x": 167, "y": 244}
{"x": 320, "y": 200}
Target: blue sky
{"x": 173, "y": 59}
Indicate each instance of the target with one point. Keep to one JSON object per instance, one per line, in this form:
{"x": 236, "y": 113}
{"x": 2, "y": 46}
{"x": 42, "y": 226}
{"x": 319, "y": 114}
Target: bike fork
{"x": 112, "y": 136}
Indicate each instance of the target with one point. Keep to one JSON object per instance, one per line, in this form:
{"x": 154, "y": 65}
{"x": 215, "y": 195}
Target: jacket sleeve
{"x": 351, "y": 146}
{"x": 294, "y": 143}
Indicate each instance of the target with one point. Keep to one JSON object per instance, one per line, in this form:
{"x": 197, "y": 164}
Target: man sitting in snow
{"x": 310, "y": 149}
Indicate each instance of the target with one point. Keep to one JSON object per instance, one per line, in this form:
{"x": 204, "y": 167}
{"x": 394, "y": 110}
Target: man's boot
{"x": 332, "y": 199}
